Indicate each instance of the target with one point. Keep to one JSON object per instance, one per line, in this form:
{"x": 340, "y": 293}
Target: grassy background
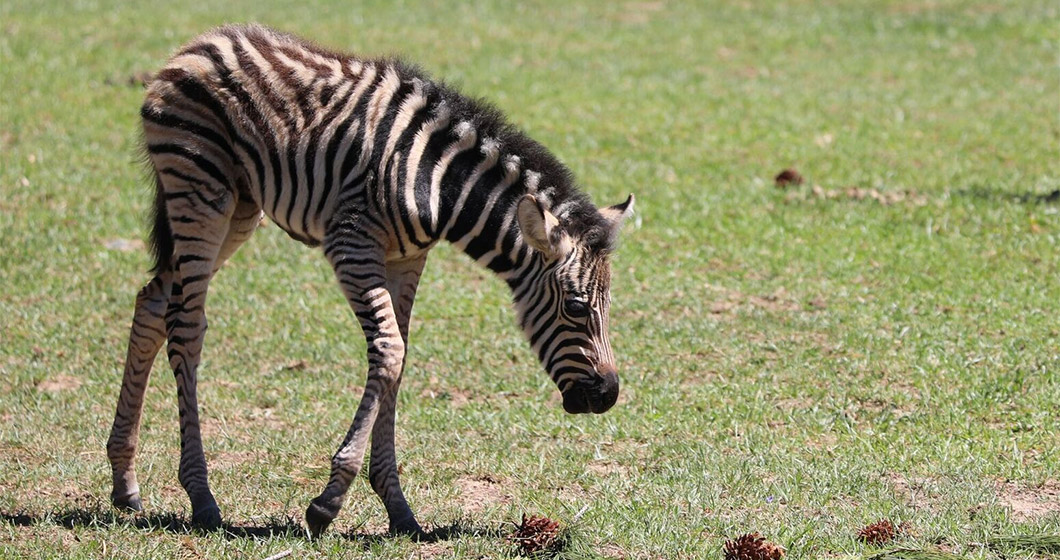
{"x": 792, "y": 363}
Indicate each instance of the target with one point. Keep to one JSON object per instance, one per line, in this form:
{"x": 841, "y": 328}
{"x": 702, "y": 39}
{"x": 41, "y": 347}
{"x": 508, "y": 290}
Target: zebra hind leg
{"x": 199, "y": 234}
{"x": 146, "y": 337}
{"x": 244, "y": 222}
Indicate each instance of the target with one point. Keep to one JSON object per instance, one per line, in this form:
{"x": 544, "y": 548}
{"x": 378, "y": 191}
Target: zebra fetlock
{"x": 375, "y": 163}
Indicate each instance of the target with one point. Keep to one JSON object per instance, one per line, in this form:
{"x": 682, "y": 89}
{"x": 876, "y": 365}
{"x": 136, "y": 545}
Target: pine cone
{"x": 536, "y": 534}
{"x": 787, "y": 177}
{"x": 881, "y": 532}
{"x": 752, "y": 547}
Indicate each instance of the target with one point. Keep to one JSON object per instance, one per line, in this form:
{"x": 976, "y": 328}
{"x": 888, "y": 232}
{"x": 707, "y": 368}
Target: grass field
{"x": 882, "y": 341}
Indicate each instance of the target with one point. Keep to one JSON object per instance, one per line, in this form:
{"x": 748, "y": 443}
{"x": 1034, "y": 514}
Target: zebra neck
{"x": 485, "y": 227}
{"x": 476, "y": 205}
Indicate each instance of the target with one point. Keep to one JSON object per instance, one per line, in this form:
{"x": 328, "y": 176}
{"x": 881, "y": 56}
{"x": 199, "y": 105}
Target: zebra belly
{"x": 299, "y": 205}
{"x": 307, "y": 231}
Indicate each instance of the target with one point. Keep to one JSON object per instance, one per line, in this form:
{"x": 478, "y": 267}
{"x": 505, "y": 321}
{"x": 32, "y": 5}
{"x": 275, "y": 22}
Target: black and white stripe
{"x": 375, "y": 163}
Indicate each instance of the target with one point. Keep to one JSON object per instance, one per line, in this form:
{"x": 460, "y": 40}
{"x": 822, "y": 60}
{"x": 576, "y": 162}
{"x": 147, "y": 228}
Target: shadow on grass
{"x": 286, "y": 528}
{"x": 985, "y": 193}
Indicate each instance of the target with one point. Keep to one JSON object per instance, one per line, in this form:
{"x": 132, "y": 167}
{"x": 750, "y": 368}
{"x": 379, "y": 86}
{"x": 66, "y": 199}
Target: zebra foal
{"x": 374, "y": 163}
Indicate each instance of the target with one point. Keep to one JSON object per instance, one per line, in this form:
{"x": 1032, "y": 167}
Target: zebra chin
{"x": 592, "y": 394}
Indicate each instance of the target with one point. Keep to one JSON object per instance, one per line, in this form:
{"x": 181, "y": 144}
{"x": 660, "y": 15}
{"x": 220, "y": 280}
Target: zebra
{"x": 375, "y": 163}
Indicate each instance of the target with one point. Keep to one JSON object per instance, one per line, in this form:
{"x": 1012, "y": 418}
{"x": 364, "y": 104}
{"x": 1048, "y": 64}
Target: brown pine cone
{"x": 752, "y": 547}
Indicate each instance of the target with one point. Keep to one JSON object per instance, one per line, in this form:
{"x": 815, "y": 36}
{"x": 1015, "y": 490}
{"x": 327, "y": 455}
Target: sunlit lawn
{"x": 881, "y": 341}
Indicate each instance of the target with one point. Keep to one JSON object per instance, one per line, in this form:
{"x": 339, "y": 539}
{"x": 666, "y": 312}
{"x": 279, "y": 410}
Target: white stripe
{"x": 408, "y": 110}
{"x": 373, "y": 114}
{"x": 511, "y": 173}
{"x": 279, "y": 133}
{"x": 511, "y": 168}
{"x": 365, "y": 75}
{"x": 466, "y": 139}
{"x": 419, "y": 144}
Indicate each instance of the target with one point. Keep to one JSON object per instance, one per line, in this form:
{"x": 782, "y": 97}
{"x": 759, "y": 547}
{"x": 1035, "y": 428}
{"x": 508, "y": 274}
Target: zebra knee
{"x": 388, "y": 377}
{"x": 386, "y": 358}
{"x": 346, "y": 466}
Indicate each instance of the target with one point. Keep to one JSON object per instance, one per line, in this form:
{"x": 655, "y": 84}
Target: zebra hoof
{"x": 207, "y": 519}
{"x": 408, "y": 527}
{"x": 131, "y": 502}
{"x": 318, "y": 519}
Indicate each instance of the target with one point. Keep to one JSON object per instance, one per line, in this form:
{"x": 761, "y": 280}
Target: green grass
{"x": 792, "y": 364}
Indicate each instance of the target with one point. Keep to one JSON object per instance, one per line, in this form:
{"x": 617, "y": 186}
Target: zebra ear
{"x": 618, "y": 213}
{"x": 540, "y": 228}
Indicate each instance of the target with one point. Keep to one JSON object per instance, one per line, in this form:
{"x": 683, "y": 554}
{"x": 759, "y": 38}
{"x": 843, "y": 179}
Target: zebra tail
{"x": 161, "y": 241}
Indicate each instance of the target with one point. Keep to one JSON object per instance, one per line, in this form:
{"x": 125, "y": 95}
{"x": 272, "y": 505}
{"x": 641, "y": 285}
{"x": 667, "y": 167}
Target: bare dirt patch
{"x": 574, "y": 494}
{"x": 734, "y": 301}
{"x": 124, "y": 245}
{"x": 456, "y": 398}
{"x": 245, "y": 424}
{"x": 859, "y": 194}
{"x": 639, "y": 13}
{"x": 609, "y": 468}
{"x": 919, "y": 492}
{"x": 232, "y": 459}
{"x": 59, "y": 383}
{"x": 1028, "y": 503}
{"x": 479, "y": 492}
{"x": 613, "y": 551}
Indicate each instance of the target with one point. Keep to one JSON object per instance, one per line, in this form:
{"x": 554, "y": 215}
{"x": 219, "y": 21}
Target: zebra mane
{"x": 577, "y": 215}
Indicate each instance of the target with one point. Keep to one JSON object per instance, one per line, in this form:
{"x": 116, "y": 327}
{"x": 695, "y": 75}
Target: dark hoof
{"x": 410, "y": 528}
{"x": 128, "y": 503}
{"x": 207, "y": 519}
{"x": 318, "y": 519}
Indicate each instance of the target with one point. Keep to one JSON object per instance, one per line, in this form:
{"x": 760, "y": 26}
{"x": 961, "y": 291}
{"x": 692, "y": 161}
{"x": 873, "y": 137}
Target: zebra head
{"x": 563, "y": 302}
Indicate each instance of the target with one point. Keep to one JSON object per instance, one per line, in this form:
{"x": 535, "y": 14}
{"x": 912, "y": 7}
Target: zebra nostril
{"x": 606, "y": 390}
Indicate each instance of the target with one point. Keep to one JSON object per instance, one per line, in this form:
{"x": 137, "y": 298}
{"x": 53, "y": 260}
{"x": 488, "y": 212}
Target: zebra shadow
{"x": 285, "y": 527}
{"x": 1001, "y": 195}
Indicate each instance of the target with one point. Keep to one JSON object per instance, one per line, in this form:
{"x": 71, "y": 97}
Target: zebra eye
{"x": 576, "y": 307}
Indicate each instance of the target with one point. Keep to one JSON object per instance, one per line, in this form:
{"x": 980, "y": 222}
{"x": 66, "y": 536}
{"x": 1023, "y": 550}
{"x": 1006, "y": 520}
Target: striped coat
{"x": 375, "y": 163}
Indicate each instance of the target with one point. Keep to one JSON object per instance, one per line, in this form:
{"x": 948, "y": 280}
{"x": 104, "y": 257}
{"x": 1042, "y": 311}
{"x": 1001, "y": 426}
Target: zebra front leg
{"x": 361, "y": 273}
{"x": 146, "y": 336}
{"x": 383, "y": 472}
{"x": 402, "y": 280}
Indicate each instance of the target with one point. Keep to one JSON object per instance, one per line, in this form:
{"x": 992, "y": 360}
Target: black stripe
{"x": 476, "y": 204}
{"x": 200, "y": 161}
{"x": 197, "y": 194}
{"x": 196, "y": 92}
{"x": 247, "y": 65}
{"x": 404, "y": 145}
{"x": 353, "y": 156}
{"x": 173, "y": 121}
{"x": 489, "y": 238}
{"x": 453, "y": 178}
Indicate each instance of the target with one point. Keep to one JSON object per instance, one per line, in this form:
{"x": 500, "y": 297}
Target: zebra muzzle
{"x": 596, "y": 394}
